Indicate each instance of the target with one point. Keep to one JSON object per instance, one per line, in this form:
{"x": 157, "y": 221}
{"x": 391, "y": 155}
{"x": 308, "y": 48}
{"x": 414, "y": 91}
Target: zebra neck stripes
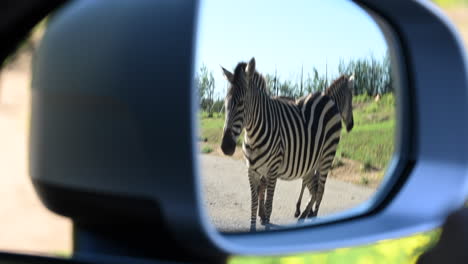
{"x": 336, "y": 93}
{"x": 340, "y": 92}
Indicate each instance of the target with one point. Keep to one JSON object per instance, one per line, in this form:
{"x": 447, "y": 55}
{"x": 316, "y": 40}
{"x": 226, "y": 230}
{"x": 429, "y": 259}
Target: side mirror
{"x": 114, "y": 132}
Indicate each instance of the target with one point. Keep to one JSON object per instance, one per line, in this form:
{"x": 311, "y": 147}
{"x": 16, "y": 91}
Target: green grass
{"x": 366, "y": 165}
{"x": 361, "y": 98}
{"x": 364, "y": 180}
{"x": 62, "y": 254}
{"x": 401, "y": 250}
{"x": 370, "y": 142}
{"x": 451, "y": 3}
{"x": 206, "y": 149}
{"x": 374, "y": 112}
{"x": 337, "y": 162}
{"x": 215, "y": 115}
{"x": 212, "y": 129}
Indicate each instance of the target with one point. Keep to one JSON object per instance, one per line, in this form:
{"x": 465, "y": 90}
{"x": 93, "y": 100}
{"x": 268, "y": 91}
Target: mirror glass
{"x": 297, "y": 111}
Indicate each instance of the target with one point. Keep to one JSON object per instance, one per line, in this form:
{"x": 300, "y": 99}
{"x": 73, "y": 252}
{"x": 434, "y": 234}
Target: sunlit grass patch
{"x": 451, "y": 3}
{"x": 371, "y": 145}
{"x": 401, "y": 250}
{"x": 62, "y": 254}
{"x": 206, "y": 149}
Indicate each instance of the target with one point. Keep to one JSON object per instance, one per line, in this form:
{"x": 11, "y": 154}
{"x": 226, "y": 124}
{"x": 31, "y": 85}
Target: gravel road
{"x": 227, "y": 195}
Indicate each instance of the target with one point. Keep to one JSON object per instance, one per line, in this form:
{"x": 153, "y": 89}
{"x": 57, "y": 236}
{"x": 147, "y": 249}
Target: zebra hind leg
{"x": 321, "y": 179}
{"x": 306, "y": 181}
{"x": 320, "y": 191}
{"x": 311, "y": 183}
{"x": 314, "y": 186}
{"x": 298, "y": 204}
{"x": 307, "y": 210}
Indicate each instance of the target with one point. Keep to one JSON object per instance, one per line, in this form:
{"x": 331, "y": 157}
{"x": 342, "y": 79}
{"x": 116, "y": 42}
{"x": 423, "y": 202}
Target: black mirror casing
{"x": 112, "y": 134}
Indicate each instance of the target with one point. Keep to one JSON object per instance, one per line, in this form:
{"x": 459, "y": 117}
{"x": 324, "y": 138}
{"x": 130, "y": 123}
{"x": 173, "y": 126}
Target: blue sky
{"x": 284, "y": 35}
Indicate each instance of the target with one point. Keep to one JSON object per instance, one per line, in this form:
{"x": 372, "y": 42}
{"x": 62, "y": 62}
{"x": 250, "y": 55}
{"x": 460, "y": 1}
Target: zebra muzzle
{"x": 350, "y": 126}
{"x": 228, "y": 144}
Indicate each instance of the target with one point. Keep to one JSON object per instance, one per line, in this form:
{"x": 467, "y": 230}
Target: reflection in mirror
{"x": 297, "y": 111}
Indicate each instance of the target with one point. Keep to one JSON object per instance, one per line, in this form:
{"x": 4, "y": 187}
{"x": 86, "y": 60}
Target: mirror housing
{"x": 101, "y": 152}
{"x": 112, "y": 91}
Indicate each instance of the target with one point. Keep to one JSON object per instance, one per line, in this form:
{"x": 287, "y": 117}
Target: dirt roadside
{"x": 25, "y": 224}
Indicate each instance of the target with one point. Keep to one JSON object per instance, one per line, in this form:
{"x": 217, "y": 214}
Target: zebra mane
{"x": 285, "y": 98}
{"x": 338, "y": 84}
{"x": 259, "y": 80}
{"x": 238, "y": 77}
{"x": 239, "y": 69}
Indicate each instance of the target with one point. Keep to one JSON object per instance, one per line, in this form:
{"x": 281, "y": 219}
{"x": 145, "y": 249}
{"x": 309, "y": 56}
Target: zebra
{"x": 340, "y": 92}
{"x": 338, "y": 95}
{"x": 283, "y": 139}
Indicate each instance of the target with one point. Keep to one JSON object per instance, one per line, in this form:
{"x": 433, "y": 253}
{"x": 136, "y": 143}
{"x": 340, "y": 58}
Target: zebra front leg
{"x": 254, "y": 182}
{"x": 307, "y": 211}
{"x": 320, "y": 191}
{"x": 321, "y": 178}
{"x": 298, "y": 204}
{"x": 311, "y": 182}
{"x": 271, "y": 184}
{"x": 261, "y": 200}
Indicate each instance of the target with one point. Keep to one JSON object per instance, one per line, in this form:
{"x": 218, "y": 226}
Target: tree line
{"x": 372, "y": 77}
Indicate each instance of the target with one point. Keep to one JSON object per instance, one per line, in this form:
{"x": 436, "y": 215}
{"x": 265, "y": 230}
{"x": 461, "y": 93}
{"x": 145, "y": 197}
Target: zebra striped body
{"x": 284, "y": 139}
{"x": 340, "y": 92}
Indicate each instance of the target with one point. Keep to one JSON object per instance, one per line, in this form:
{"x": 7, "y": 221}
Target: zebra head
{"x": 341, "y": 91}
{"x": 234, "y": 108}
{"x": 347, "y": 105}
{"x": 347, "y": 114}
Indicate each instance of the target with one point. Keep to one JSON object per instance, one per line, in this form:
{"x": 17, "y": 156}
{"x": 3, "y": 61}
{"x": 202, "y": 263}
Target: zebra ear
{"x": 251, "y": 67}
{"x": 229, "y": 76}
{"x": 351, "y": 82}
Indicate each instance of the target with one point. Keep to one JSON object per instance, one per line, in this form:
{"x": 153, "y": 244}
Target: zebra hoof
{"x": 252, "y": 229}
{"x": 297, "y": 213}
{"x": 302, "y": 218}
{"x": 264, "y": 222}
{"x": 262, "y": 215}
{"x": 312, "y": 214}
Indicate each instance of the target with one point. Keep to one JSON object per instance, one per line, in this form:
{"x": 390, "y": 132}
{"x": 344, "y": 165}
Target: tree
{"x": 388, "y": 80}
{"x": 201, "y": 82}
{"x": 309, "y": 84}
{"x": 286, "y": 89}
{"x": 319, "y": 83}
{"x": 301, "y": 83}
{"x": 206, "y": 88}
{"x": 210, "y": 94}
{"x": 371, "y": 76}
{"x": 270, "y": 83}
